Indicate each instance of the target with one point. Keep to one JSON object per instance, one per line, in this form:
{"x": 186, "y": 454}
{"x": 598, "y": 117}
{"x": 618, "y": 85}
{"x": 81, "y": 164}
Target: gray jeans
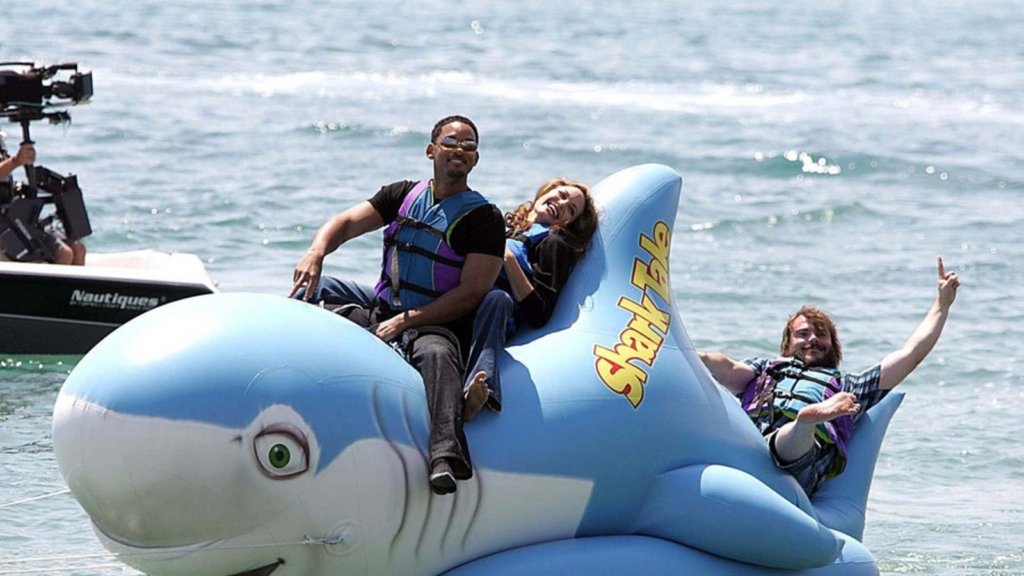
{"x": 434, "y": 352}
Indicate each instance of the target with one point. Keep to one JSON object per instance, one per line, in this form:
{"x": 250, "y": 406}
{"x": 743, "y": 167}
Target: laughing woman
{"x": 545, "y": 239}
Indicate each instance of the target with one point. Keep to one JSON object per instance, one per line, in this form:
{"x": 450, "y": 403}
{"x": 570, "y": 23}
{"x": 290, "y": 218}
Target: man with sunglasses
{"x": 443, "y": 250}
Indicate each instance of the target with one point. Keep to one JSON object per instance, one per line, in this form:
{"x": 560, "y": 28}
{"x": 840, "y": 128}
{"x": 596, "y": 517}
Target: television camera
{"x": 28, "y": 94}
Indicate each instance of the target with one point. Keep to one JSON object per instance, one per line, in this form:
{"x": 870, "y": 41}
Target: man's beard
{"x": 456, "y": 174}
{"x": 820, "y": 359}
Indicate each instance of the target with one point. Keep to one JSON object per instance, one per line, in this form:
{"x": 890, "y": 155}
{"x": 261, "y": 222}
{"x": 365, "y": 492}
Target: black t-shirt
{"x": 552, "y": 260}
{"x": 482, "y": 231}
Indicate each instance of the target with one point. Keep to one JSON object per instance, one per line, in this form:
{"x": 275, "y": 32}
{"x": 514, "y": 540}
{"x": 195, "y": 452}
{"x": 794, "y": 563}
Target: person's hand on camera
{"x": 26, "y": 155}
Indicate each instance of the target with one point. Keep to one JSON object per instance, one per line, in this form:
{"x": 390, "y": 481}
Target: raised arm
{"x": 731, "y": 374}
{"x": 899, "y": 364}
{"x": 478, "y": 275}
{"x": 355, "y": 221}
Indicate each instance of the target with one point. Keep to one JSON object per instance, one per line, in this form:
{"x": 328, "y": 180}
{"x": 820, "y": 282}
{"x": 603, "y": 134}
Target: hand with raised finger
{"x": 949, "y": 283}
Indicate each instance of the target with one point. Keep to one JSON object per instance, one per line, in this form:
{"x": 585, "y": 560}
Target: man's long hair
{"x": 822, "y": 323}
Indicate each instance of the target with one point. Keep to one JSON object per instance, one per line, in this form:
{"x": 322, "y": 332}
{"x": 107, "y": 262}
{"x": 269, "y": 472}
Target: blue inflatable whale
{"x": 242, "y": 434}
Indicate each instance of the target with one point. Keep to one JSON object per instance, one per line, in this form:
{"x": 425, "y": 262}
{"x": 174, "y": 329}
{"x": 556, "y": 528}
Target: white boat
{"x": 54, "y": 309}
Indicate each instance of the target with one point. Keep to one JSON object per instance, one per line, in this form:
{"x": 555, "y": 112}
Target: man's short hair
{"x": 821, "y": 322}
{"x": 450, "y": 120}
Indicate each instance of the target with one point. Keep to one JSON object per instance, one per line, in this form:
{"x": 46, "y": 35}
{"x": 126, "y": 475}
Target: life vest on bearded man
{"x": 784, "y": 387}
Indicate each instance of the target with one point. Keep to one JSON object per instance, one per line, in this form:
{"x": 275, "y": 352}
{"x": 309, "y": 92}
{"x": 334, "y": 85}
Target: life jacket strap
{"x": 404, "y": 285}
{"x": 393, "y": 265}
{"x": 790, "y": 396}
{"x": 790, "y": 371}
{"x": 414, "y": 223}
{"x": 410, "y": 247}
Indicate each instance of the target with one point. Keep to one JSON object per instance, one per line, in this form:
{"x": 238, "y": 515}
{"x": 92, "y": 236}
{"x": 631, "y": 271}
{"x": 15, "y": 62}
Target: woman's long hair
{"x": 577, "y": 234}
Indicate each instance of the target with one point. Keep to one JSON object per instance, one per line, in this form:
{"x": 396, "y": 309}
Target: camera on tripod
{"x": 28, "y": 95}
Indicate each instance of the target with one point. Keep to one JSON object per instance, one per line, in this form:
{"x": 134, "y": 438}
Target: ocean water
{"x": 829, "y": 152}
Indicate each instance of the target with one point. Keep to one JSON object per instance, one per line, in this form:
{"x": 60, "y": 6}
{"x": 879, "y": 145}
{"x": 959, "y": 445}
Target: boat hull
{"x": 49, "y": 309}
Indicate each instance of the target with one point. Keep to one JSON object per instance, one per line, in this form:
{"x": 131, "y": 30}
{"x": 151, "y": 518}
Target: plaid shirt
{"x": 864, "y": 386}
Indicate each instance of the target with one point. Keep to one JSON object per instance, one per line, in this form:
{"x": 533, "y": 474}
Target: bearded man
{"x": 803, "y": 405}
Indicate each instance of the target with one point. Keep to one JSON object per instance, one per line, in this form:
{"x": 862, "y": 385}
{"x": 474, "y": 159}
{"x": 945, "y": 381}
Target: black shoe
{"x": 442, "y": 480}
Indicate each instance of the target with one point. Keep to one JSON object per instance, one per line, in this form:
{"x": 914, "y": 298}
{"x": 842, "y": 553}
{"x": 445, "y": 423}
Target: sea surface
{"x": 829, "y": 150}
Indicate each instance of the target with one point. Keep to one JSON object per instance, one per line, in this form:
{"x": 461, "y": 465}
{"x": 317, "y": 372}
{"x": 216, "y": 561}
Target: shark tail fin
{"x": 841, "y": 503}
{"x": 729, "y": 513}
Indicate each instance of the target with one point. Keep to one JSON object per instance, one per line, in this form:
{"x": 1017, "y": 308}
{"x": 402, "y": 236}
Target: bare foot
{"x": 476, "y": 396}
{"x": 842, "y": 404}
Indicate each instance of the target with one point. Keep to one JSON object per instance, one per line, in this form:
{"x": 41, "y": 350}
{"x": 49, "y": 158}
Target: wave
{"x": 822, "y": 215}
{"x": 652, "y": 96}
{"x": 794, "y": 104}
{"x": 629, "y": 94}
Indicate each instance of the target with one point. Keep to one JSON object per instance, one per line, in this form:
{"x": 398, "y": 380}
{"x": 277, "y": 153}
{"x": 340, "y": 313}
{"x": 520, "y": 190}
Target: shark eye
{"x": 282, "y": 451}
{"x": 279, "y": 456}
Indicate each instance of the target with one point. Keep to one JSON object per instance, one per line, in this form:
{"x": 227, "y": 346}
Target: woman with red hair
{"x": 545, "y": 238}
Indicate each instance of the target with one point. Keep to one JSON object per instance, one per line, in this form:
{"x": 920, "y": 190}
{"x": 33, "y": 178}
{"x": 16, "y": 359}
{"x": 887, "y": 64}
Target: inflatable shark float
{"x": 249, "y": 435}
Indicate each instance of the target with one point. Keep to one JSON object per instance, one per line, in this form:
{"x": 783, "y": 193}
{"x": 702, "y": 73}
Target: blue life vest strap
{"x": 520, "y": 245}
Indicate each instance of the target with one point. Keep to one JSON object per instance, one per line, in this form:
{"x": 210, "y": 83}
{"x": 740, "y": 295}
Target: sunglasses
{"x": 451, "y": 143}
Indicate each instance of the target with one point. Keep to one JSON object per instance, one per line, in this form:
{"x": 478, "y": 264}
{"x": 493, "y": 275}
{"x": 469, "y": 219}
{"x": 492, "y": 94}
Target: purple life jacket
{"x": 783, "y": 388}
{"x": 418, "y": 263}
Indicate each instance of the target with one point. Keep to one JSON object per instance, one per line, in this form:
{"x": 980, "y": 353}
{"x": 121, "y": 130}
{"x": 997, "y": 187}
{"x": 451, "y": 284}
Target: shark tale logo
{"x": 621, "y": 367}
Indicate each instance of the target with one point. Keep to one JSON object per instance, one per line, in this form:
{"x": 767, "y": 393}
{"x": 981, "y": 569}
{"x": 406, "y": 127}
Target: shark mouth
{"x": 261, "y": 571}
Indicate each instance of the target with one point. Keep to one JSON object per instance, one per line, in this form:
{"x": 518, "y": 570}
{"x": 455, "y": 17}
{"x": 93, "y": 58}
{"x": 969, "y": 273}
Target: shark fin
{"x": 728, "y": 512}
{"x": 841, "y": 502}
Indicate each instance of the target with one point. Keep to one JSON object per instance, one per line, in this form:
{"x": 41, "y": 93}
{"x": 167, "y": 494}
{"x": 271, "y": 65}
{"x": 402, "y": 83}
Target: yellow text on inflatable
{"x": 620, "y": 367}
